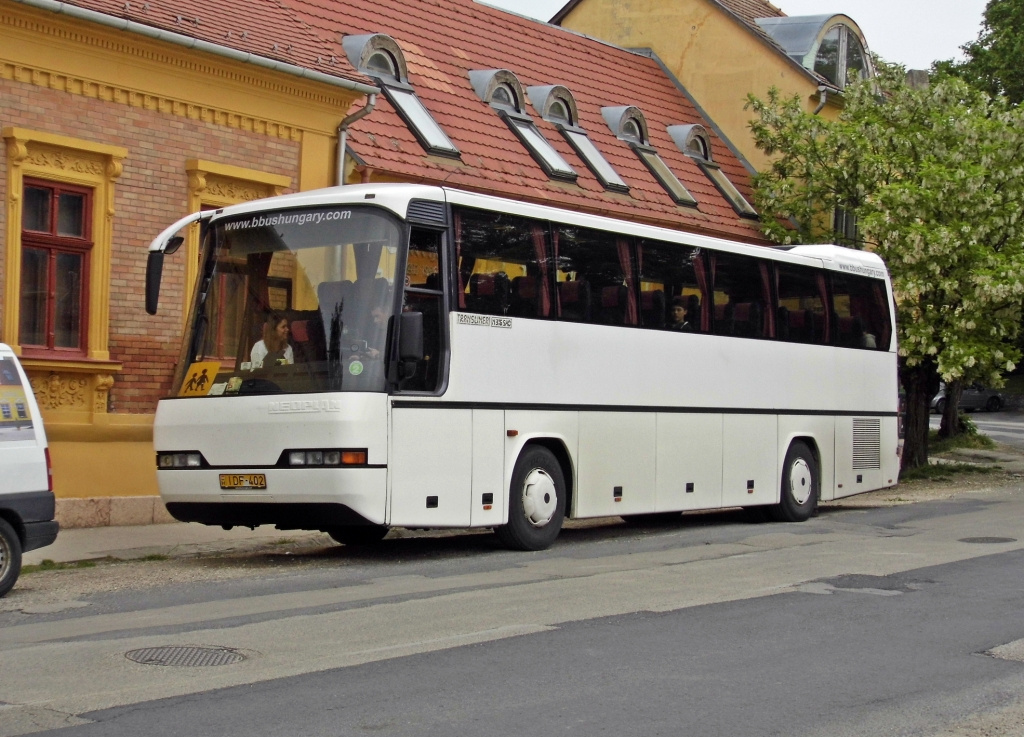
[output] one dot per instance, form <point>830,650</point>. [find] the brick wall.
<point>151,194</point>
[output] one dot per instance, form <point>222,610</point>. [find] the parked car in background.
<point>973,397</point>
<point>26,484</point>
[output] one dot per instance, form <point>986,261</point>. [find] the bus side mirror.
<point>410,337</point>
<point>154,271</point>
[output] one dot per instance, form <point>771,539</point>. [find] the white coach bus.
<point>375,356</point>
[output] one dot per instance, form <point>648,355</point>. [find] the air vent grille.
<point>867,443</point>
<point>425,211</point>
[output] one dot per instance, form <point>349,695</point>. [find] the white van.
<point>26,480</point>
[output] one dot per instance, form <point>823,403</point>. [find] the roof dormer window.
<point>629,125</point>
<point>379,56</point>
<point>841,58</point>
<point>557,105</point>
<point>382,64</point>
<point>694,141</point>
<point>501,89</point>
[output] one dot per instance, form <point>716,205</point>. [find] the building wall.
<point>715,56</point>
<point>159,132</point>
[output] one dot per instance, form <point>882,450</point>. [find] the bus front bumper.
<point>292,498</point>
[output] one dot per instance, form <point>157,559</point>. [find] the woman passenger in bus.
<point>274,349</point>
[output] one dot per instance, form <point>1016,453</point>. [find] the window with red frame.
<point>56,240</point>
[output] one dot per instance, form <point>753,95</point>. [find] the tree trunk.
<point>920,382</point>
<point>951,424</point>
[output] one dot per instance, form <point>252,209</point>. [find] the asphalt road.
<point>1003,427</point>
<point>861,621</point>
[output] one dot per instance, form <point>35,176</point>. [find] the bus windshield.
<point>293,301</point>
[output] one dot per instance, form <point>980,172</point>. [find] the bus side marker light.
<point>617,493</point>
<point>487,500</point>
<point>689,487</point>
<point>750,486</point>
<point>511,433</point>
<point>353,457</point>
<point>431,502</point>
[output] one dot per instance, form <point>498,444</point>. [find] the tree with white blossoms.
<point>934,176</point>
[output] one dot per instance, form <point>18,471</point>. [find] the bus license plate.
<point>237,481</point>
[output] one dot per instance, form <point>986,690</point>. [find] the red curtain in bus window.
<point>540,252</point>
<point>701,274</point>
<point>766,290</point>
<point>622,246</point>
<point>465,264</point>
<point>880,316</point>
<point>258,296</point>
<point>826,338</point>
<point>554,250</point>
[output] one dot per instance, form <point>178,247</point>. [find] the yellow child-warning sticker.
<point>199,379</point>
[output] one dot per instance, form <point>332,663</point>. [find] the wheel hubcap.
<point>539,497</point>
<point>800,481</point>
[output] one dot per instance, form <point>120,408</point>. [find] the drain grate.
<point>987,540</point>
<point>188,656</point>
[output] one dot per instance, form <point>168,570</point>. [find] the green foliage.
<point>48,565</point>
<point>942,472</point>
<point>935,179</point>
<point>970,438</point>
<point>995,61</point>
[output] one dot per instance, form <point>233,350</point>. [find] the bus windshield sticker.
<point>200,379</point>
<point>485,320</point>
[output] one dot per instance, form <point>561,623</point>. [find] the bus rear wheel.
<point>357,534</point>
<point>10,557</point>
<point>536,505</point>
<point>799,493</point>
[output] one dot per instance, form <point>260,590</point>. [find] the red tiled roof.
<point>266,28</point>
<point>749,10</point>
<point>442,42</point>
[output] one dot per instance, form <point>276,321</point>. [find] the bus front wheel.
<point>799,494</point>
<point>10,557</point>
<point>536,504</point>
<point>357,534</point>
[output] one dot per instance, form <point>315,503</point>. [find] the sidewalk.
<point>177,539</point>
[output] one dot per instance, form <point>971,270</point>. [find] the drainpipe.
<point>822,99</point>
<point>343,133</point>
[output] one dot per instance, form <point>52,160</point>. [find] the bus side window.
<point>423,294</point>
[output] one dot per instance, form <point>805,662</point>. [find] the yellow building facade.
<point>134,128</point>
<point>722,50</point>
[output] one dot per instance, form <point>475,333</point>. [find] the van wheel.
<point>536,505</point>
<point>799,494</point>
<point>10,557</point>
<point>357,534</point>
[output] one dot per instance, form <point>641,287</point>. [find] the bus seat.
<point>307,336</point>
<point>613,304</point>
<point>782,324</point>
<point>652,308</point>
<point>524,302</point>
<point>331,292</point>
<point>488,293</point>
<point>574,298</point>
<point>724,318</point>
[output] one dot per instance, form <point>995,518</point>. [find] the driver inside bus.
<point>274,348</point>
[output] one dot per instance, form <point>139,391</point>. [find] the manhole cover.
<point>989,540</point>
<point>187,656</point>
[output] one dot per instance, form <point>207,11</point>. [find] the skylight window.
<point>693,140</point>
<point>380,57</point>
<point>501,89</point>
<point>557,106</point>
<point>629,125</point>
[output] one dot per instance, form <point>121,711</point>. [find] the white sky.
<point>911,32</point>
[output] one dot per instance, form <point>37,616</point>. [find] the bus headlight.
<point>329,457</point>
<point>179,460</point>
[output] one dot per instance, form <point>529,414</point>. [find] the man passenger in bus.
<point>679,315</point>
<point>274,349</point>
